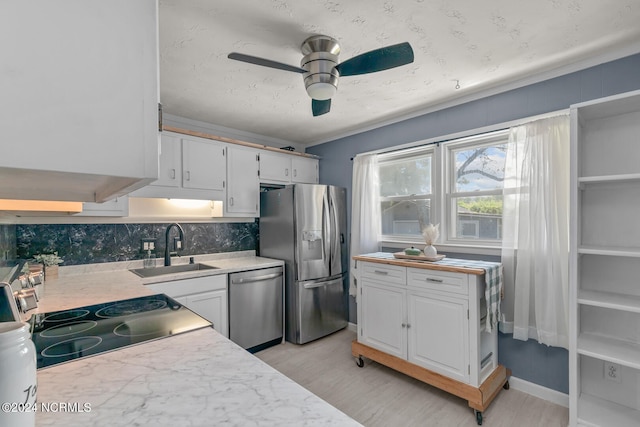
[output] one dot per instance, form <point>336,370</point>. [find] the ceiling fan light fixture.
<point>321,91</point>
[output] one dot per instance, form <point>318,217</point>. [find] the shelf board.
<point>613,350</point>
<point>629,177</point>
<point>599,412</point>
<point>609,251</point>
<point>610,300</point>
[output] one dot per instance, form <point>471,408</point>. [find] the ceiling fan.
<point>320,67</point>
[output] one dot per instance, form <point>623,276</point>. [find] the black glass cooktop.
<point>62,336</point>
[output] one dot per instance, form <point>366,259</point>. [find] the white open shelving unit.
<point>604,363</point>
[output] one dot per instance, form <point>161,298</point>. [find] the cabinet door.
<point>203,165</point>
<point>170,161</point>
<point>305,170</point>
<point>243,192</point>
<point>213,307</point>
<point>116,207</point>
<point>275,167</point>
<point>438,334</point>
<point>383,323</point>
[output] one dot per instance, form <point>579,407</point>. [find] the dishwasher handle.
<point>241,280</point>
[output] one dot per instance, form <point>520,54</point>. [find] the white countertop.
<point>198,378</point>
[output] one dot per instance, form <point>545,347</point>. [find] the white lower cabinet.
<point>403,318</point>
<point>429,324</point>
<point>438,331</point>
<point>205,295</point>
<point>383,311</point>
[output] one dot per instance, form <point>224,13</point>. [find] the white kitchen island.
<point>198,378</point>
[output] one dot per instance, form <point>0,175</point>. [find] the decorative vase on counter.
<point>430,251</point>
<point>431,233</point>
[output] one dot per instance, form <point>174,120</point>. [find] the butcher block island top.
<point>446,264</point>
<point>195,378</point>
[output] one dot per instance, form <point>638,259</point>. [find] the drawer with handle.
<point>383,272</point>
<point>445,281</point>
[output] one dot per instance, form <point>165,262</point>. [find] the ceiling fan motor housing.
<point>320,61</point>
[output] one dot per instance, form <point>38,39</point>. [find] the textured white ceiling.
<point>479,44</point>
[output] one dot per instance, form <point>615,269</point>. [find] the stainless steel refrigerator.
<point>305,225</point>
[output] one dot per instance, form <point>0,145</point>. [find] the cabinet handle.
<point>286,172</point>
<point>434,280</point>
<point>172,175</point>
<point>295,173</point>
<point>188,174</point>
<point>231,201</point>
<point>404,325</point>
<point>381,272</point>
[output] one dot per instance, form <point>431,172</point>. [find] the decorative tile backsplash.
<point>97,243</point>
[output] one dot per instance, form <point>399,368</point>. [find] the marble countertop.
<point>192,379</point>
<point>87,284</point>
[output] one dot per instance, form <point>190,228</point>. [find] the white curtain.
<point>535,252</point>
<point>365,211</point>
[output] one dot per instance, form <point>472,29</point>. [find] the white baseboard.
<point>539,391</point>
<point>353,327</point>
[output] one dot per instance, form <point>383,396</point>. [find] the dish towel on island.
<point>492,290</point>
<point>492,277</point>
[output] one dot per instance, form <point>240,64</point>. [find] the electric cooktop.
<point>63,336</point>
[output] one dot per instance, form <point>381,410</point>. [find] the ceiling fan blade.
<point>320,107</point>
<point>265,62</point>
<point>377,60</point>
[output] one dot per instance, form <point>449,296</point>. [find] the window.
<point>476,176</point>
<point>405,192</point>
<point>457,184</point>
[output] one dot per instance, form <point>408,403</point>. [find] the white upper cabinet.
<point>170,174</point>
<point>276,168</point>
<point>190,168</point>
<point>118,207</point>
<point>203,164</point>
<point>79,103</point>
<point>243,193</point>
<point>305,170</point>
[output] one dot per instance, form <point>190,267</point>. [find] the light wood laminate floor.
<point>377,396</point>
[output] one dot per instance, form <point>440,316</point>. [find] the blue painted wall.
<point>528,360</point>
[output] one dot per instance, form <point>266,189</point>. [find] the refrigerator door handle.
<point>321,283</point>
<point>326,232</point>
<point>336,240</point>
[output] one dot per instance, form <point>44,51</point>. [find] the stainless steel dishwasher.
<point>256,319</point>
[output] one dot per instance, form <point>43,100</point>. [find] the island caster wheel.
<point>359,362</point>
<point>506,386</point>
<point>479,417</point>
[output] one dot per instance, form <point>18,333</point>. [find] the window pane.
<point>406,217</point>
<point>478,217</point>
<point>405,177</point>
<point>479,168</point>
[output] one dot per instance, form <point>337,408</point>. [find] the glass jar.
<point>18,372</point>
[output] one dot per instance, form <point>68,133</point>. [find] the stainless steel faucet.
<point>167,253</point>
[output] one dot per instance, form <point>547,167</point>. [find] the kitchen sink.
<point>171,269</point>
